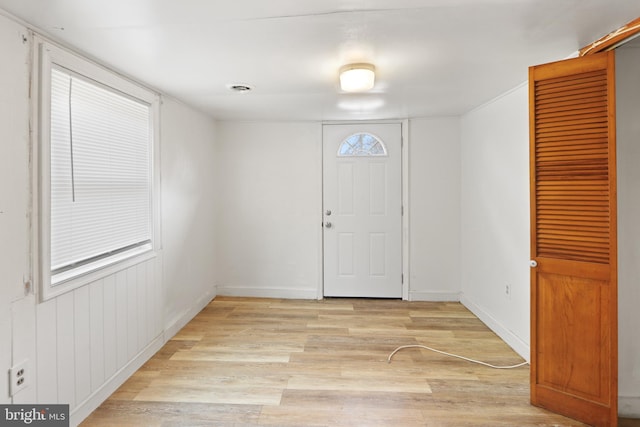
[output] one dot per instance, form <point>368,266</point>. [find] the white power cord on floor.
<point>454,355</point>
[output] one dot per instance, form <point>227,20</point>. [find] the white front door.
<point>362,203</point>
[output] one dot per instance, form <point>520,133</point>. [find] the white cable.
<point>454,355</point>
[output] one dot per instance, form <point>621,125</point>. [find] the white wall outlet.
<point>507,290</point>
<point>19,377</point>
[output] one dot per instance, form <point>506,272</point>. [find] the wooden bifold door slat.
<point>590,87</point>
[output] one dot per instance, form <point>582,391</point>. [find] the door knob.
<point>327,224</point>
<point>328,212</point>
<point>533,263</point>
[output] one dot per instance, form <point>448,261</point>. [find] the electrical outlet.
<point>507,291</point>
<point>19,377</point>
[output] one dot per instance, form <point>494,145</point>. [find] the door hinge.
<point>402,278</point>
<point>402,210</point>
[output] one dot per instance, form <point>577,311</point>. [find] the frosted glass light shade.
<point>357,77</point>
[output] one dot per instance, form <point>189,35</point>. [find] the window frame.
<point>384,153</point>
<point>47,56</point>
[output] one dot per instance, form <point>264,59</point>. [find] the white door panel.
<point>362,213</point>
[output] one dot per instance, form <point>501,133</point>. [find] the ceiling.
<point>433,57</point>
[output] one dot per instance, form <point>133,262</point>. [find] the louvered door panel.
<point>572,167</point>
<point>573,239</point>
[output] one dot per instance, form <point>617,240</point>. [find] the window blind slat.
<point>108,171</point>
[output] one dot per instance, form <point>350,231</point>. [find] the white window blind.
<point>101,172</point>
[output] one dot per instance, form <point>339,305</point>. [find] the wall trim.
<point>84,409</point>
<point>406,223</point>
<point>178,323</point>
<point>286,293</point>
<point>502,331</point>
<point>434,296</point>
<point>629,406</point>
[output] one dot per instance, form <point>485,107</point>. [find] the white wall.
<point>188,208</point>
<point>269,209</point>
<point>91,339</point>
<point>495,219</point>
<point>434,207</point>
<point>14,188</point>
<point>81,345</point>
<point>628,157</point>
<point>495,216</point>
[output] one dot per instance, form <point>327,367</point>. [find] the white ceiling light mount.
<point>358,77</point>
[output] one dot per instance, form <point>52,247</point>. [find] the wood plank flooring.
<point>271,362</point>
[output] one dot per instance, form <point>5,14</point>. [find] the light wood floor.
<point>268,362</point>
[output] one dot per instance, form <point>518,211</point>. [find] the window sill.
<point>82,276</point>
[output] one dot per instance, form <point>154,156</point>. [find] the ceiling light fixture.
<point>357,77</point>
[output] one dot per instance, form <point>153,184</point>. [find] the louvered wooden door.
<point>573,238</point>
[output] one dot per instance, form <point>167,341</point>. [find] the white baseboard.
<point>288,293</point>
<point>85,408</point>
<point>434,296</point>
<point>512,340</point>
<point>629,406</point>
<point>285,293</point>
<point>182,319</point>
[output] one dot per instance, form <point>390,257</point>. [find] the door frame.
<point>404,167</point>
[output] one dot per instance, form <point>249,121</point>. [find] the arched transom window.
<point>362,144</point>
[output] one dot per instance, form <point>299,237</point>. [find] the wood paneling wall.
<point>86,336</point>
